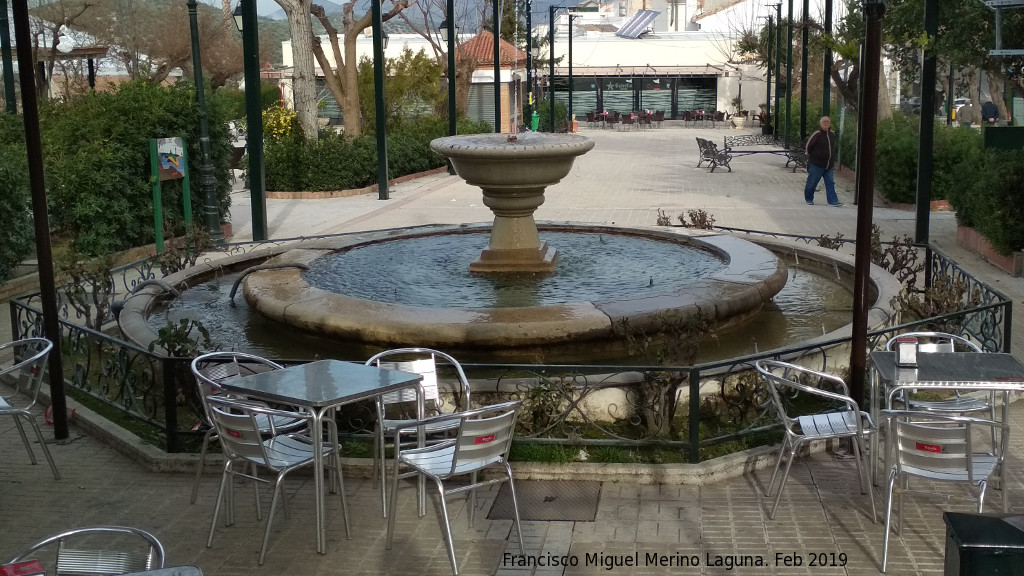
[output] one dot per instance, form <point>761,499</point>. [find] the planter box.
<point>972,240</point>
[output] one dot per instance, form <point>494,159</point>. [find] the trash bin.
<point>984,544</point>
<point>535,121</point>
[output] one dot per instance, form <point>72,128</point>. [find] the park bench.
<point>710,153</point>
<point>748,144</point>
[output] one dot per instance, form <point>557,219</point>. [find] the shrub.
<point>896,158</point>
<point>334,162</point>
<point>16,233</point>
<point>543,109</point>
<point>97,162</point>
<point>957,153</point>
<point>996,200</point>
<point>233,100</point>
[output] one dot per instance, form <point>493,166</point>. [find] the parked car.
<point>957,105</point>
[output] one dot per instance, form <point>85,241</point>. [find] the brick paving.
<point>669,529</point>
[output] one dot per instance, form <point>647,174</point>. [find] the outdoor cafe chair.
<point>25,376</point>
<point>482,440</point>
<point>209,370</point>
<point>422,361</point>
<point>612,118</point>
<point>939,448</point>
<point>98,551</point>
<point>791,386</point>
<point>240,430</point>
<point>627,122</point>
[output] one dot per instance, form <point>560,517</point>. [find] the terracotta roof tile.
<point>481,47</point>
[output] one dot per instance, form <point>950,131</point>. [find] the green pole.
<point>804,38</point>
<point>551,64</point>
<point>254,120</point>
<point>496,33</point>
<point>453,124</point>
<point>207,181</point>
<point>5,49</point>
<point>378,100</point>
<point>926,140</point>
<point>789,70</point>
<point>158,212</point>
<point>778,61</point>
<point>826,86</point>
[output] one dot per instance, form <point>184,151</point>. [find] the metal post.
<point>804,39</point>
<point>497,65</point>
<point>378,100</point>
<point>571,17</point>
<point>92,73</point>
<point>551,65</point>
<point>5,50</point>
<point>949,98</point>
<point>254,120</point>
<point>207,182</point>
<point>826,86</point>
<point>47,282</point>
<point>874,10</point>
<point>778,61</point>
<point>453,111</point>
<point>529,54</point>
<point>768,72</point>
<point>789,71</point>
<point>927,138</point>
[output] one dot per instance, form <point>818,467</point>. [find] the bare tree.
<point>343,82</point>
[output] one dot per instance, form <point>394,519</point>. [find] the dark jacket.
<point>989,112</point>
<point>821,149</point>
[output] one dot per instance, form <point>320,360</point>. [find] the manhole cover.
<point>548,500</point>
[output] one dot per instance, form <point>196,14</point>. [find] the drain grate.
<point>549,500</point>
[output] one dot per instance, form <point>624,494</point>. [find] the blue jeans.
<point>814,175</point>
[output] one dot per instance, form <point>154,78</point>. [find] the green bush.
<point>543,108</point>
<point>991,200</point>
<point>16,234</point>
<point>233,100</point>
<point>956,153</point>
<point>896,158</point>
<point>97,162</point>
<point>334,162</point>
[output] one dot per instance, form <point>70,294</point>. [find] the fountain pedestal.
<point>513,176</point>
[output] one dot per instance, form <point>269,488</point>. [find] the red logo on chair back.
<point>933,448</point>
<point>483,439</point>
<point>234,433</point>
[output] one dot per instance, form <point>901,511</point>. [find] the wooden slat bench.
<point>710,153</point>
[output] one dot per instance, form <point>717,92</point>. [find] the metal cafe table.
<point>943,371</point>
<point>321,386</point>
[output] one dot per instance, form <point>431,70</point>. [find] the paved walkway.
<point>625,180</point>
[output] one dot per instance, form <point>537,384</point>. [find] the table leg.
<point>318,478</point>
<point>873,411</point>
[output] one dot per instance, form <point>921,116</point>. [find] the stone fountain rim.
<point>556,147</point>
<point>136,309</point>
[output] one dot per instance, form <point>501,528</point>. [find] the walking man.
<point>821,161</point>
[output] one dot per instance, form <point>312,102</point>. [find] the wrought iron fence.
<point>696,411</point>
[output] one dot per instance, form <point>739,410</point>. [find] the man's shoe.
<point>837,204</point>
<point>810,203</point>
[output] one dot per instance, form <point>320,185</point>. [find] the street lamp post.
<point>245,20</point>
<point>768,73</point>
<point>789,70</point>
<point>207,182</point>
<point>5,51</point>
<point>452,34</point>
<point>778,59</point>
<point>551,64</point>
<point>804,36</point>
<point>378,99</point>
<point>497,65</point>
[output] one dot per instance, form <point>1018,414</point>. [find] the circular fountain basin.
<point>744,279</point>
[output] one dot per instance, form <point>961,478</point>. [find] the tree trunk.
<point>884,104</point>
<point>349,104</point>
<point>300,27</point>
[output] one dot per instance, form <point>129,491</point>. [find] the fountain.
<point>414,294</point>
<point>513,171</point>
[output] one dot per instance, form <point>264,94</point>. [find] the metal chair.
<point>240,430</point>
<point>25,375</point>
<point>959,403</point>
<point>483,439</point>
<point>785,381</point>
<point>209,370</point>
<point>422,361</point>
<point>939,448</point>
<point>80,554</point>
